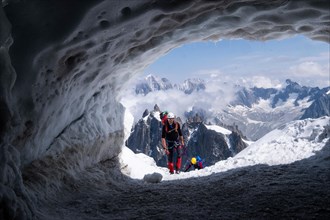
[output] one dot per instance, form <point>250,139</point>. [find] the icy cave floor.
<point>296,191</point>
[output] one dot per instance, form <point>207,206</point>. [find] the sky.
<point>295,141</point>
<point>264,64</point>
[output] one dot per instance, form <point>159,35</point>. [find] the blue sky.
<point>265,64</point>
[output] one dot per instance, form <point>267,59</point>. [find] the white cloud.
<point>221,88</point>
<point>209,73</point>
<point>216,78</point>
<point>309,69</point>
<point>215,97</point>
<point>261,81</point>
<point>321,58</point>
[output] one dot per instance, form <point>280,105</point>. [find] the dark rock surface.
<point>210,145</point>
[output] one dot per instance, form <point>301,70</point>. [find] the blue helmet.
<point>198,158</point>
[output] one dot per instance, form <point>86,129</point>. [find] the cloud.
<point>222,84</point>
<point>208,73</point>
<point>261,81</point>
<point>215,97</point>
<point>309,69</point>
<point>321,58</point>
<point>215,78</point>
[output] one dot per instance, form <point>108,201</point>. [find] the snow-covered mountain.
<point>293,92</point>
<point>152,83</point>
<point>257,111</point>
<point>190,85</point>
<point>254,111</point>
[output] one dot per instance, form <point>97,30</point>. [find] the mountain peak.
<point>293,86</point>
<point>289,82</point>
<point>152,83</point>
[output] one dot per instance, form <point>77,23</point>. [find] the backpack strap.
<point>176,127</point>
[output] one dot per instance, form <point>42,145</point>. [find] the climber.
<point>163,117</point>
<point>196,162</point>
<point>172,139</point>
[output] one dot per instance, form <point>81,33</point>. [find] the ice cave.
<point>63,66</point>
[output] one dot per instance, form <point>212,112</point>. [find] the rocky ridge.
<point>211,145</point>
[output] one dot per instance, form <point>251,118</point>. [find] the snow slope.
<point>295,141</point>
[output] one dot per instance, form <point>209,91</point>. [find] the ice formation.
<point>63,65</point>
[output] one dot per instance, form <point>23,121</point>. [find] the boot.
<point>178,165</point>
<point>171,167</point>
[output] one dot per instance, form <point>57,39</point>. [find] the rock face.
<point>212,146</point>
<point>320,107</point>
<point>63,68</point>
<point>146,137</point>
<point>236,142</point>
<point>208,144</point>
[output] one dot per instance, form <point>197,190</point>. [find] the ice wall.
<point>62,76</point>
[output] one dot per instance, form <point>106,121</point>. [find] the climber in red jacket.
<point>172,139</point>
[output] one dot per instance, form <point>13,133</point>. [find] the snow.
<point>263,104</point>
<point>218,129</point>
<point>156,114</point>
<point>261,118</point>
<point>295,141</point>
<point>251,121</point>
<point>248,142</point>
